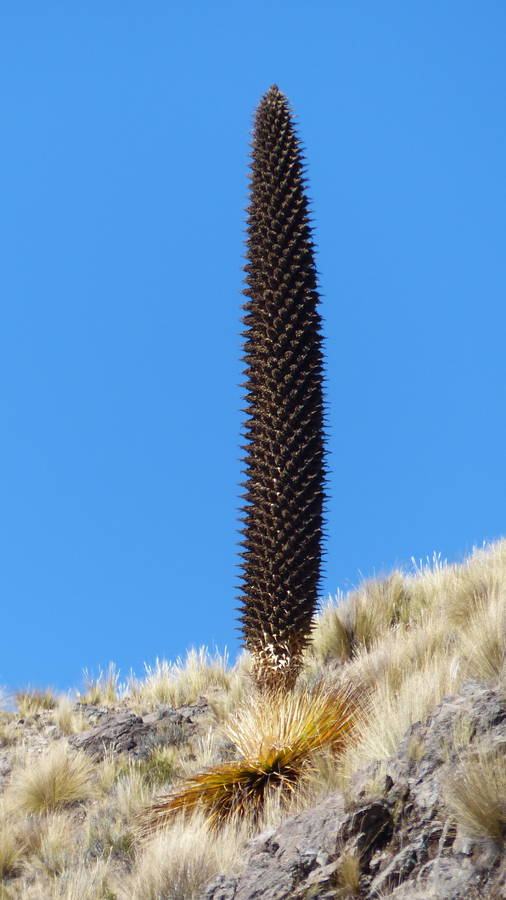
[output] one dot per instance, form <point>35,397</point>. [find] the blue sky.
<point>123,180</point>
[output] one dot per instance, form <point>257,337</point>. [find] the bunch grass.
<point>102,689</point>
<point>181,682</point>
<point>56,780</point>
<point>32,701</point>
<point>178,862</point>
<point>476,796</point>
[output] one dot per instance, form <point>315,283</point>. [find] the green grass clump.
<point>159,769</point>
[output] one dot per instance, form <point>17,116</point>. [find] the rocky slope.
<point>414,808</point>
<point>394,823</point>
<point>396,833</point>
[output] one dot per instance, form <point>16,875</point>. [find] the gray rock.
<point>300,859</point>
<point>125,732</point>
<point>221,888</point>
<point>173,726</point>
<point>116,733</point>
<point>5,768</point>
<point>92,713</point>
<point>280,861</point>
<point>181,715</point>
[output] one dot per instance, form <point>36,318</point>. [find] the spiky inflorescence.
<point>284,461</point>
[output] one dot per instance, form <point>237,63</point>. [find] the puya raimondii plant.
<point>284,453</point>
<point>279,733</point>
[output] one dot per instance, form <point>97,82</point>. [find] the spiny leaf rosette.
<point>284,453</point>
<point>279,738</point>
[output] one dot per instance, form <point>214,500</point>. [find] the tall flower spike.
<point>284,452</point>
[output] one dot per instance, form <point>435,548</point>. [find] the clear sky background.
<point>123,160</point>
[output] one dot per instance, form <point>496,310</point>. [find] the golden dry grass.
<point>181,682</point>
<point>103,689</point>
<point>484,637</point>
<point>348,876</point>
<point>425,644</point>
<point>32,701</point>
<point>83,882</point>
<point>59,778</point>
<point>394,710</point>
<point>7,730</point>
<point>68,720</point>
<point>476,795</point>
<point>179,861</point>
<point>11,849</point>
<point>52,843</point>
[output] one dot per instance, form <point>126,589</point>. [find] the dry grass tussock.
<point>103,689</point>
<point>12,847</point>
<point>422,647</point>
<point>476,795</point>
<point>68,720</point>
<point>182,682</point>
<point>59,778</point>
<point>179,861</point>
<point>32,701</point>
<point>348,876</point>
<point>68,826</point>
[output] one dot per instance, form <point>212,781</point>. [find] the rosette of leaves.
<point>279,739</point>
<point>284,429</point>
<point>280,734</point>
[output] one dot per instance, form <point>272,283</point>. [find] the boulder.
<point>125,732</point>
<point>116,733</point>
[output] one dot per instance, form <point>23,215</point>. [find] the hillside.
<point>413,805</point>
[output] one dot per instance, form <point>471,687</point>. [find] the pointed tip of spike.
<point>274,93</point>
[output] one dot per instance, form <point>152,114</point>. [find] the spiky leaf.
<point>279,738</point>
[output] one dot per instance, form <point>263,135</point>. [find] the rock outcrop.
<point>125,732</point>
<point>397,826</point>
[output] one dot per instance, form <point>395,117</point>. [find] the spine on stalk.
<point>284,460</point>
